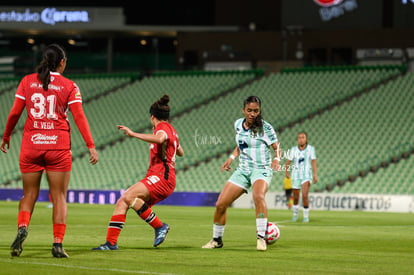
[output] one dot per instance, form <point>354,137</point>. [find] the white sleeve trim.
<point>21,97</point>
<point>162,131</point>
<point>74,101</point>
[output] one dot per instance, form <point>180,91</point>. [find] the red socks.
<point>117,223</point>
<point>23,219</point>
<point>114,228</point>
<point>58,232</point>
<point>148,216</point>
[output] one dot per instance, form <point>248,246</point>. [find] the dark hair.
<point>52,56</point>
<point>160,108</point>
<point>257,126</point>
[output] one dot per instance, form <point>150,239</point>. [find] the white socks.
<point>218,230</point>
<point>295,208</point>
<point>306,212</point>
<point>296,211</point>
<point>261,226</point>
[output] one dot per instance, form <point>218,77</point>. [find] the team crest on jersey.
<point>243,145</point>
<point>77,93</point>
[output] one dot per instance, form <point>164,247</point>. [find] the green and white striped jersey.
<point>301,164</point>
<point>254,150</point>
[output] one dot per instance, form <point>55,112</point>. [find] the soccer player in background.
<point>303,159</point>
<point>287,182</point>
<point>47,96</point>
<point>255,138</point>
<point>158,183</point>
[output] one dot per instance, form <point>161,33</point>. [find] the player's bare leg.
<point>31,187</point>
<point>136,197</point>
<point>58,187</point>
<point>305,199</point>
<point>295,208</point>
<point>228,195</point>
<point>259,190</point>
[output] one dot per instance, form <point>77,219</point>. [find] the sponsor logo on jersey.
<point>152,180</point>
<point>331,9</point>
<point>44,139</point>
<point>327,3</point>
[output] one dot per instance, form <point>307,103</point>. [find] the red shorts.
<point>51,160</point>
<point>158,187</point>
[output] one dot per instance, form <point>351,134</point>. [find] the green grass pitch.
<point>333,242</point>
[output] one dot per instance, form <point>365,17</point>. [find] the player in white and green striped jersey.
<point>301,160</point>
<point>255,150</point>
<point>256,139</point>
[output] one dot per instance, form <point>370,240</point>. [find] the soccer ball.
<point>272,233</point>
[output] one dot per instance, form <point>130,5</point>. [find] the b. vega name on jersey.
<point>44,139</point>
<point>43,125</point>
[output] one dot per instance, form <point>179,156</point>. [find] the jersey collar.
<point>244,120</point>
<point>303,148</point>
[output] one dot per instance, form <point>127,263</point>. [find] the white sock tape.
<point>133,203</point>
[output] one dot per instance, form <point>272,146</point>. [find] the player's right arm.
<point>226,165</point>
<point>180,151</point>
<point>12,120</point>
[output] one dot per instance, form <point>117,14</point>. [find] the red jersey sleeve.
<point>13,118</point>
<point>16,110</point>
<point>82,123</point>
<point>75,95</point>
<point>21,91</point>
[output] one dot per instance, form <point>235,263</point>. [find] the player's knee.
<point>126,199</point>
<point>31,195</point>
<point>221,207</point>
<point>258,197</point>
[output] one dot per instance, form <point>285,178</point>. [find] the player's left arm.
<point>158,138</point>
<point>315,169</point>
<point>275,163</point>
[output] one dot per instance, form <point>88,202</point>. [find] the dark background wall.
<point>267,31</point>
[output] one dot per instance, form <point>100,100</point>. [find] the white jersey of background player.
<point>301,160</point>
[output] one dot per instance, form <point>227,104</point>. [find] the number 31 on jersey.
<point>43,106</point>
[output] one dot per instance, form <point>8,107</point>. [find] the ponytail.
<point>52,56</point>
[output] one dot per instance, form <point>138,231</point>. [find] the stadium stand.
<point>191,90</point>
<point>362,134</point>
<point>356,117</point>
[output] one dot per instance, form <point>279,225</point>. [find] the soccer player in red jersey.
<point>158,183</point>
<point>47,97</point>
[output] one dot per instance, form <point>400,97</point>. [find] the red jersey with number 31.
<point>47,127</point>
<point>162,156</point>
